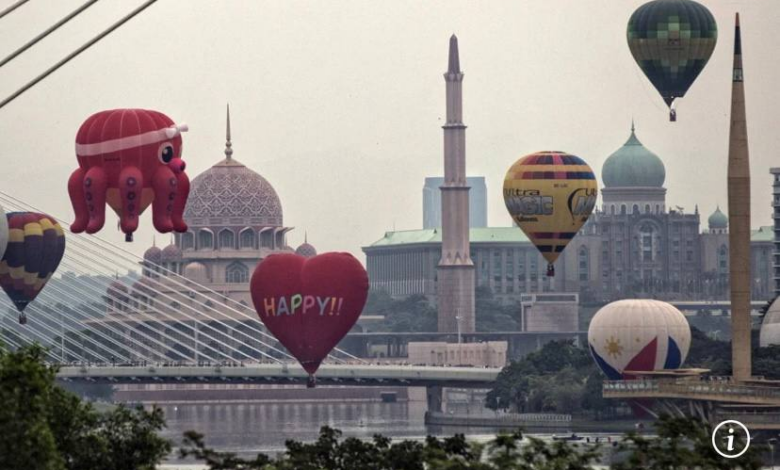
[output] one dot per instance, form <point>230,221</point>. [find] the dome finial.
<point>228,144</point>
<point>632,125</point>
<point>154,240</point>
<point>305,236</point>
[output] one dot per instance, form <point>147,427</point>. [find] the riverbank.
<point>533,423</point>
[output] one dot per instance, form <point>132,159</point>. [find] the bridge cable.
<point>48,31</point>
<point>12,8</point>
<point>75,53</point>
<point>81,241</point>
<point>174,321</point>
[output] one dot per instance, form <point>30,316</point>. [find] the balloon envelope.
<point>129,159</point>
<point>35,248</point>
<point>550,195</point>
<point>309,304</point>
<point>3,232</point>
<point>671,41</point>
<point>638,335</point>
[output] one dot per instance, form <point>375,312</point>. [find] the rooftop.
<point>476,235</point>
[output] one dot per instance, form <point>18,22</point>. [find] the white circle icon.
<point>730,439</point>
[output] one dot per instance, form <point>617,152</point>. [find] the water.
<point>248,428</point>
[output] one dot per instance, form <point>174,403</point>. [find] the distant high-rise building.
<point>776,216</point>
<point>477,202</point>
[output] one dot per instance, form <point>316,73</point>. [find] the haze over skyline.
<point>340,107</point>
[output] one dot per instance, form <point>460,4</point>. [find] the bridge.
<point>273,373</point>
<point>755,403</point>
<point>130,330</point>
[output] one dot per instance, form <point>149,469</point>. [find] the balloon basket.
<point>550,270</point>
<point>128,237</point>
<point>672,116</point>
<point>311,382</point>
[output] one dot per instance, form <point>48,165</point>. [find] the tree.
<point>45,427</point>
<point>560,378</point>
<point>681,443</point>
<point>491,315</point>
<point>26,389</point>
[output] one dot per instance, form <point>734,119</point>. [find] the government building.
<point>633,246</point>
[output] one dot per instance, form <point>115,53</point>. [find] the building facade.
<point>477,201</point>
<point>634,245</point>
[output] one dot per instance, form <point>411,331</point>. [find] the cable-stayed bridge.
<point>91,315</point>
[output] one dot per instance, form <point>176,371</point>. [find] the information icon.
<point>733,441</point>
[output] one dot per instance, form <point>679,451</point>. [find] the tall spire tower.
<point>455,286</point>
<point>739,220</point>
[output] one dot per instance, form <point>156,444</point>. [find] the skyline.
<point>382,131</point>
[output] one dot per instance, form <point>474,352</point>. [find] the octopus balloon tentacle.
<point>180,201</point>
<point>95,187</point>
<point>131,181</point>
<point>129,159</point>
<point>78,200</point>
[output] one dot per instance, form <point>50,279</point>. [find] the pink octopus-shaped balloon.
<point>129,159</point>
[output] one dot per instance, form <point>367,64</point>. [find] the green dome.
<point>632,165</point>
<point>718,219</point>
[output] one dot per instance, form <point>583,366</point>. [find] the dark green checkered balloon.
<point>672,40</point>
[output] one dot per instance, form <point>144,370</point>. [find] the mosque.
<point>235,220</point>
<point>633,246</point>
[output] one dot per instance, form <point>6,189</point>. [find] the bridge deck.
<point>334,374</point>
<point>712,391</point>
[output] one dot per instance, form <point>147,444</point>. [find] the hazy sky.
<point>339,104</point>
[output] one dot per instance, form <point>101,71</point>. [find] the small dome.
<point>306,250</point>
<point>196,272</point>
<point>770,328</point>
<point>718,220</point>
<point>117,290</point>
<point>632,165</point>
<point>153,255</point>
<point>171,254</point>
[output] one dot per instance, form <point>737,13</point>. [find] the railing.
<point>690,388</point>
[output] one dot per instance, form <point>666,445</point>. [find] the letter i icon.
<point>730,440</point>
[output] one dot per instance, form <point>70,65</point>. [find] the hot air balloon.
<point>550,195</point>
<point>638,335</point>
<point>129,159</point>
<point>3,232</point>
<point>309,304</point>
<point>35,248</point>
<point>672,40</point>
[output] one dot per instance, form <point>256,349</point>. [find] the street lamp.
<point>772,442</point>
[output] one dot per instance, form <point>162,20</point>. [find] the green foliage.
<point>560,378</point>
<point>328,452</point>
<point>414,313</point>
<point>491,315</point>
<point>682,443</point>
<point>45,427</point>
<point>26,389</point>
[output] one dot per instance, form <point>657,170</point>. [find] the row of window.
<point>226,239</point>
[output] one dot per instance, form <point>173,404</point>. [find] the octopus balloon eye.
<point>166,153</point>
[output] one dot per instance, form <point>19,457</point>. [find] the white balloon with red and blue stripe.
<point>638,335</point>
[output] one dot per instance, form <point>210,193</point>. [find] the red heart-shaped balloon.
<point>309,304</point>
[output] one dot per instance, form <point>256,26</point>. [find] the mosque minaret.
<point>455,286</point>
